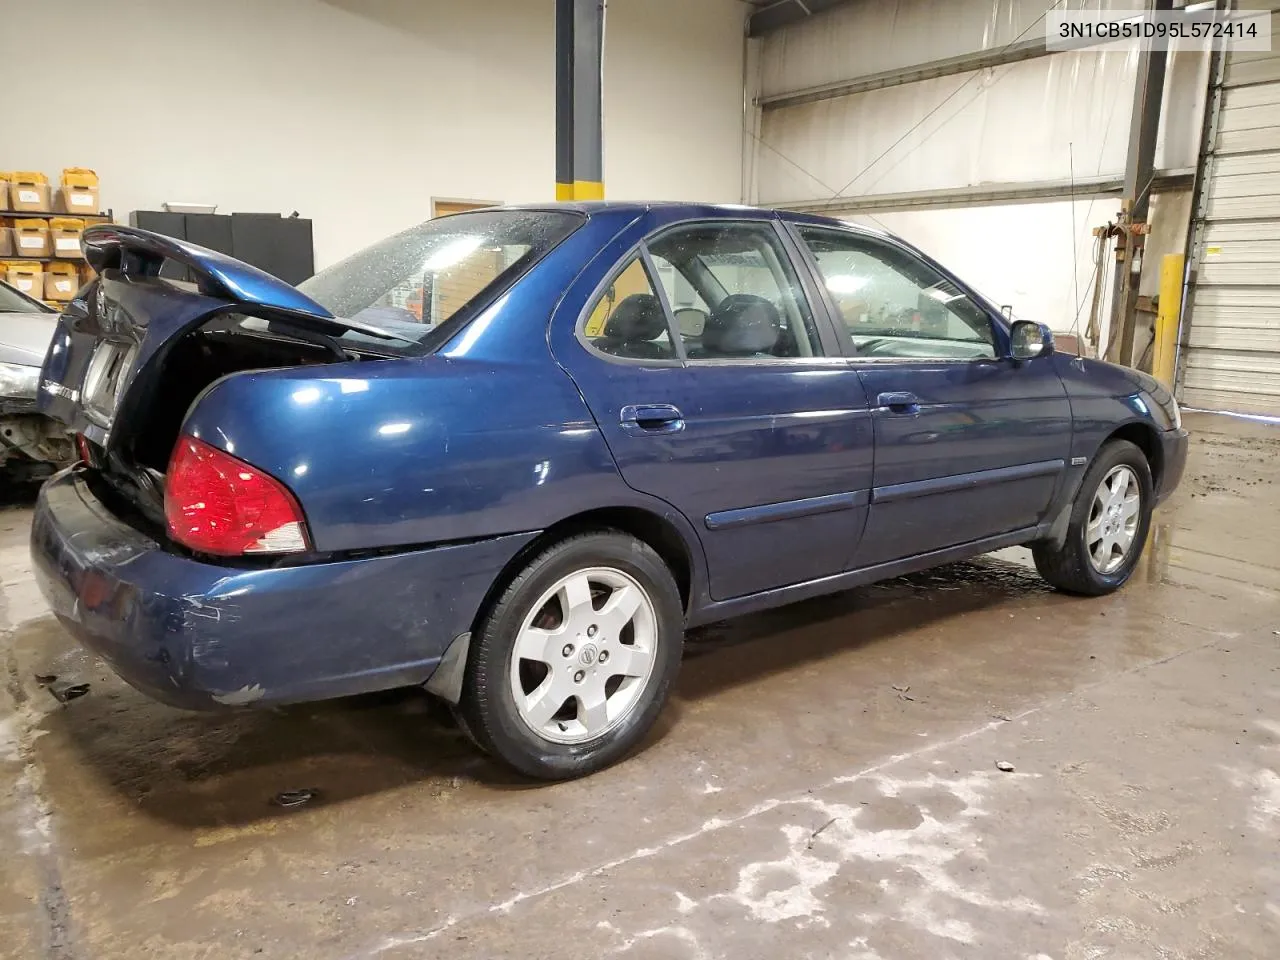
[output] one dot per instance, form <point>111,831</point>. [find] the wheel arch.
<point>660,533</point>
<point>1144,436</point>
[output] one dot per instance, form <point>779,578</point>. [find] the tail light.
<point>216,503</point>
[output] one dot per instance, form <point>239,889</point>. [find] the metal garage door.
<point>1231,351</point>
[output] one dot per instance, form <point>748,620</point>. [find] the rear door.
<point>742,414</point>
<point>969,443</point>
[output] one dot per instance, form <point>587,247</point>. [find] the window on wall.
<point>734,294</point>
<point>628,320</point>
<point>895,305</point>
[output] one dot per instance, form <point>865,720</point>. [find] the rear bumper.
<point>1173,461</point>
<point>204,636</point>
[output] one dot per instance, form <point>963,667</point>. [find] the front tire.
<point>573,662</point>
<point>1108,527</point>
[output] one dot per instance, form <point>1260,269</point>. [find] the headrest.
<point>742,324</point>
<point>635,318</point>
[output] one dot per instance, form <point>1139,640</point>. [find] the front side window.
<point>895,305</point>
<point>412,283</point>
<point>734,293</point>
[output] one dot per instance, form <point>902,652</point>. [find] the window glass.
<point>895,305</point>
<point>734,293</point>
<point>415,281</point>
<point>628,320</point>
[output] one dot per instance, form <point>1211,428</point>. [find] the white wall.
<point>356,112</point>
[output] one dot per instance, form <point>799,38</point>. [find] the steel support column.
<point>579,106</point>
<point>1144,125</point>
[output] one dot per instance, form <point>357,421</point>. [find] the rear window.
<point>427,280</point>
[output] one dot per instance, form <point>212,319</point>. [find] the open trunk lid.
<point>126,361</point>
<point>112,338</point>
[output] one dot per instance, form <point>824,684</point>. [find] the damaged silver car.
<point>29,441</point>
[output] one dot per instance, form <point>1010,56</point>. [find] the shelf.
<point>46,259</point>
<point>37,215</point>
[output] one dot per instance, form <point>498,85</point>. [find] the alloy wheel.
<point>1113,519</point>
<point>583,655</point>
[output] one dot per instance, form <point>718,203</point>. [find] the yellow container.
<point>64,236</point>
<point>26,276</point>
<point>29,190</point>
<point>79,192</point>
<point>61,280</point>
<point>79,177</point>
<point>31,238</point>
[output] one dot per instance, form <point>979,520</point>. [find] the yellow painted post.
<point>1166,338</point>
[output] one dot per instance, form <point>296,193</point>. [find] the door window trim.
<point>1000,333</point>
<point>791,251</point>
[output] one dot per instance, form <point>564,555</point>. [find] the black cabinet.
<point>282,246</point>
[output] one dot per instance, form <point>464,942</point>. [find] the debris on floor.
<point>294,798</point>
<point>1004,766</point>
<point>65,692</point>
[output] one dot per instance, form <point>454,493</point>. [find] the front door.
<point>718,391</point>
<point>969,443</point>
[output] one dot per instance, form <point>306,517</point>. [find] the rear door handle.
<point>899,402</point>
<point>649,418</point>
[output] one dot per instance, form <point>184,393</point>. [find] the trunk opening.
<point>135,465</point>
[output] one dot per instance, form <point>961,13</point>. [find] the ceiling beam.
<point>774,16</point>
<point>986,194</point>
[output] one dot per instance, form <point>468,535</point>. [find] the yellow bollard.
<point>1165,347</point>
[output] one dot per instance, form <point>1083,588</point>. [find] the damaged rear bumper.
<point>203,636</point>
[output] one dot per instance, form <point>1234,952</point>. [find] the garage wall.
<point>1231,330</point>
<point>357,112</point>
<point>1034,122</point>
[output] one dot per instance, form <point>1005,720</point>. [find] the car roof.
<point>680,209</point>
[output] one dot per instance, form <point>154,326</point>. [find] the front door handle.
<point>649,418</point>
<point>899,402</point>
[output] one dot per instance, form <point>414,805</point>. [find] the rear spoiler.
<point>141,253</point>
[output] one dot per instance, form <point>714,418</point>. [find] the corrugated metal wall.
<point>1034,122</point>
<point>1231,349</point>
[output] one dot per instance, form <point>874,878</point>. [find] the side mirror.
<point>1028,340</point>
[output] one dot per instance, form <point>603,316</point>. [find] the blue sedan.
<point>510,455</point>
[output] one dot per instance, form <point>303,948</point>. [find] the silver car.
<point>28,440</point>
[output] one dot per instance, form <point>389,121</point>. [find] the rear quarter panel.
<point>414,451</point>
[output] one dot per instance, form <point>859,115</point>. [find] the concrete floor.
<point>824,783</point>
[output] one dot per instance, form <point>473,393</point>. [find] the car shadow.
<point>196,770</point>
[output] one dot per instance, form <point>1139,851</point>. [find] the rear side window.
<point>628,320</point>
<point>746,302</point>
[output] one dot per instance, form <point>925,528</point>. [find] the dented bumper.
<point>204,636</point>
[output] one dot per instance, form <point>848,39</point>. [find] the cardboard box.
<point>31,238</point>
<point>6,241</point>
<point>27,277</point>
<point>79,191</point>
<point>78,200</point>
<point>29,191</point>
<point>61,281</point>
<point>64,237</point>
<point>4,191</point>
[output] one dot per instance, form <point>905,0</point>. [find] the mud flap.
<point>446,682</point>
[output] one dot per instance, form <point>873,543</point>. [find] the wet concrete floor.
<point>824,783</point>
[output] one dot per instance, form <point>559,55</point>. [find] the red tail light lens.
<point>216,503</point>
<point>82,449</point>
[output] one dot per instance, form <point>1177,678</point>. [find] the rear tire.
<point>1108,526</point>
<point>572,663</point>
